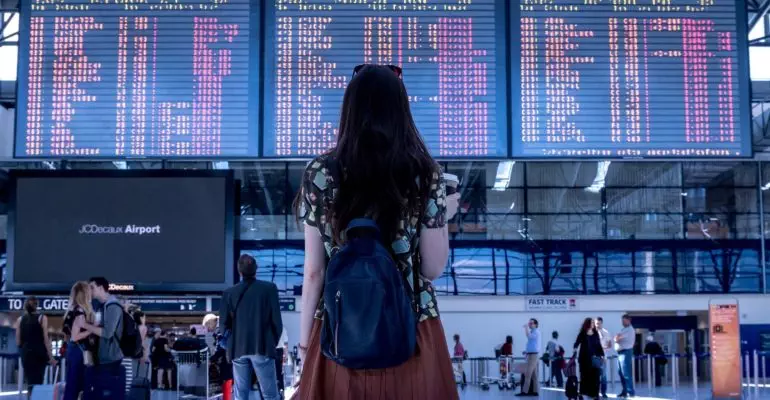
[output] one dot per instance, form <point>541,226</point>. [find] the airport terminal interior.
<point>610,158</point>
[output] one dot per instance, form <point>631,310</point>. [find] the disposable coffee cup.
<point>452,182</point>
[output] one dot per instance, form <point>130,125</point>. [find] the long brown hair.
<point>588,324</point>
<point>381,164</point>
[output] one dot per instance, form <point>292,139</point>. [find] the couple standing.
<point>623,343</point>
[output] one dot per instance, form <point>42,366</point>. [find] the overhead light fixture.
<point>120,164</point>
<point>599,180</point>
<point>503,175</point>
<point>220,165</point>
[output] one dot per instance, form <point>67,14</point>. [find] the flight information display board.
<point>452,52</point>
<point>630,78</point>
<point>138,78</point>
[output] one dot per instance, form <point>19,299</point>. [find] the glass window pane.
<point>498,175</point>
<point>758,31</point>
<point>12,27</point>
<point>563,201</point>
<point>759,59</point>
<point>565,226</point>
<point>8,59</point>
<point>636,174</point>
<point>721,200</point>
<point>644,200</point>
<point>561,174</point>
<point>472,271</point>
<point>644,226</point>
<point>264,200</point>
<point>719,174</point>
<point>294,230</point>
<point>282,266</point>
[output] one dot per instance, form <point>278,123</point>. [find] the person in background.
<point>590,357</point>
<point>141,366</point>
<point>507,349</point>
<point>210,322</point>
<point>189,342</point>
<point>458,355</point>
<point>653,349</point>
<point>385,171</point>
<point>34,344</point>
<point>624,342</point>
<point>81,346</point>
<point>106,379</point>
<point>531,381</point>
<point>251,312</point>
<point>556,359</point>
<point>459,350</point>
<point>161,353</point>
<point>609,351</point>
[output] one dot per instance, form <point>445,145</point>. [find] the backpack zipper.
<point>337,299</point>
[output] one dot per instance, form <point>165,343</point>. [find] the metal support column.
<point>763,251</point>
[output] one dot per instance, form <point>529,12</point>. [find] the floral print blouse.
<point>318,190</point>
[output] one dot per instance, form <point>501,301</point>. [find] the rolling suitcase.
<point>571,389</point>
<point>140,389</point>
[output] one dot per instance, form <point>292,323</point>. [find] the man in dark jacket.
<point>250,311</point>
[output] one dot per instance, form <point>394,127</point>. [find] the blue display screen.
<point>630,78</point>
<point>149,78</point>
<point>486,79</point>
<point>452,53</point>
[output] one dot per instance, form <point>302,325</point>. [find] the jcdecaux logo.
<point>130,229</point>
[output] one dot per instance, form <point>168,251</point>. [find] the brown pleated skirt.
<point>427,376</point>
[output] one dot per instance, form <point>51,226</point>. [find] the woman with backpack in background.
<point>590,358</point>
<point>34,345</point>
<point>82,344</point>
<point>379,195</point>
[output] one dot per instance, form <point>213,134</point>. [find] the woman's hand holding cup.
<point>452,195</point>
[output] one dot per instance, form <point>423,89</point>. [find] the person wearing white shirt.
<point>624,342</point>
<point>533,348</point>
<point>607,344</point>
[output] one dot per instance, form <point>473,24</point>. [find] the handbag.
<point>597,362</point>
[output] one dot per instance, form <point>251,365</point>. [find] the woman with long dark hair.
<point>381,169</point>
<point>590,358</point>
<point>32,339</point>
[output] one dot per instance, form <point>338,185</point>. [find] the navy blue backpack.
<point>369,320</point>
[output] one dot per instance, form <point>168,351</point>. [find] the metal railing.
<point>192,374</point>
<point>681,375</point>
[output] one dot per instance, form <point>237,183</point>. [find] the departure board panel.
<point>452,52</point>
<point>138,78</point>
<point>630,78</point>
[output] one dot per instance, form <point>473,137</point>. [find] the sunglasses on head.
<point>395,68</point>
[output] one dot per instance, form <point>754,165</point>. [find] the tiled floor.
<point>473,393</point>
<point>684,392</point>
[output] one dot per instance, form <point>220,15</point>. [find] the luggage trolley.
<point>506,379</point>
<point>459,371</point>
